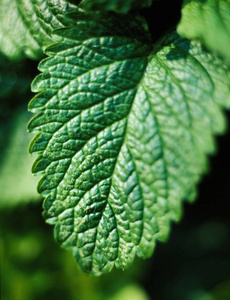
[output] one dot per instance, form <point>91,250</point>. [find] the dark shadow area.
<point>162,17</point>
<point>15,80</point>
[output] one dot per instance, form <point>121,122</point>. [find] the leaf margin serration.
<point>53,220</point>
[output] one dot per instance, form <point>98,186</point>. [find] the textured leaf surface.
<point>26,26</point>
<point>120,6</point>
<point>123,136</point>
<point>209,22</point>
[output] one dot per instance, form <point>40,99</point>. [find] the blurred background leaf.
<point>16,182</point>
<point>35,267</point>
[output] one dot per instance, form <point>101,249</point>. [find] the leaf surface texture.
<point>123,134</point>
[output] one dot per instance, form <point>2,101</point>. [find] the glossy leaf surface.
<point>123,135</point>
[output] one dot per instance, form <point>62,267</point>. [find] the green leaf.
<point>209,22</point>
<point>119,6</point>
<point>26,26</point>
<point>123,134</point>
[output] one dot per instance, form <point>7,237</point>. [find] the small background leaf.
<point>33,22</point>
<point>209,22</point>
<point>16,183</point>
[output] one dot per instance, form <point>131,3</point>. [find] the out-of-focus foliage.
<point>35,268</point>
<point>119,6</point>
<point>26,26</point>
<point>209,22</point>
<point>16,183</point>
<point>15,79</point>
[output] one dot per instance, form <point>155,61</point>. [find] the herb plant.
<point>125,115</point>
